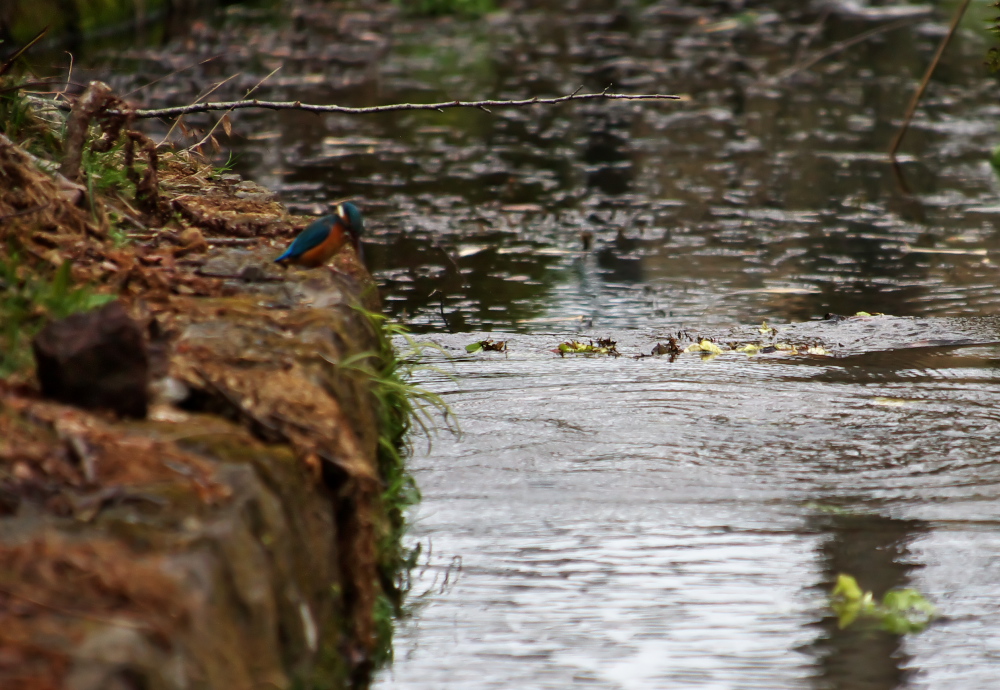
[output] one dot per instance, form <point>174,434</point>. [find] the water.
<point>642,523</point>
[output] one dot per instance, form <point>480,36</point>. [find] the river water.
<point>655,523</point>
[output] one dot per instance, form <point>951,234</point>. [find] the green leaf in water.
<point>902,611</point>
<point>848,588</point>
<point>473,347</point>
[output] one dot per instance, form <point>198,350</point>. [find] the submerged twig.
<point>912,108</point>
<point>347,110</point>
<point>838,47</point>
<point>176,71</point>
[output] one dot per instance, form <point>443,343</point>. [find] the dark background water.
<point>764,194</point>
<point>646,523</point>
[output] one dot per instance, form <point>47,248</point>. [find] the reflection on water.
<point>766,195</point>
<point>640,523</point>
<point>874,549</point>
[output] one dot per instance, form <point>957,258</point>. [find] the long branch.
<point>915,100</point>
<point>298,105</point>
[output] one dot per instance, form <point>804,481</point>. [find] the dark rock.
<point>96,359</point>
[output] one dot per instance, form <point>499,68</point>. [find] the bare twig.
<point>28,85</point>
<point>204,95</point>
<point>69,77</point>
<point>812,33</point>
<point>222,241</point>
<point>912,108</point>
<point>298,105</point>
<point>208,136</point>
<point>25,212</point>
<point>5,67</point>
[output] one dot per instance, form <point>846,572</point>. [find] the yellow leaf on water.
<point>710,347</point>
<point>892,402</point>
<point>848,588</point>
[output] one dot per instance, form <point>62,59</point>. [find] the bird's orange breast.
<point>321,253</point>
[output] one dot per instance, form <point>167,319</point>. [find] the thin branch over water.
<point>298,105</point>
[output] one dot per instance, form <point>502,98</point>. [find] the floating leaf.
<point>709,347</point>
<point>817,350</point>
<point>488,345</point>
<point>891,402</point>
<point>604,346</point>
<point>848,588</point>
<point>902,611</point>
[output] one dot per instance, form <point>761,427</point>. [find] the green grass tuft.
<point>403,408</point>
<point>20,124</point>
<point>105,172</point>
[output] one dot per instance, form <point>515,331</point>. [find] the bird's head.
<point>350,216</point>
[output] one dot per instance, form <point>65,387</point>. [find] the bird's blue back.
<point>312,236</point>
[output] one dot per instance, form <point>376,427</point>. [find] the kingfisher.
<point>325,236</point>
